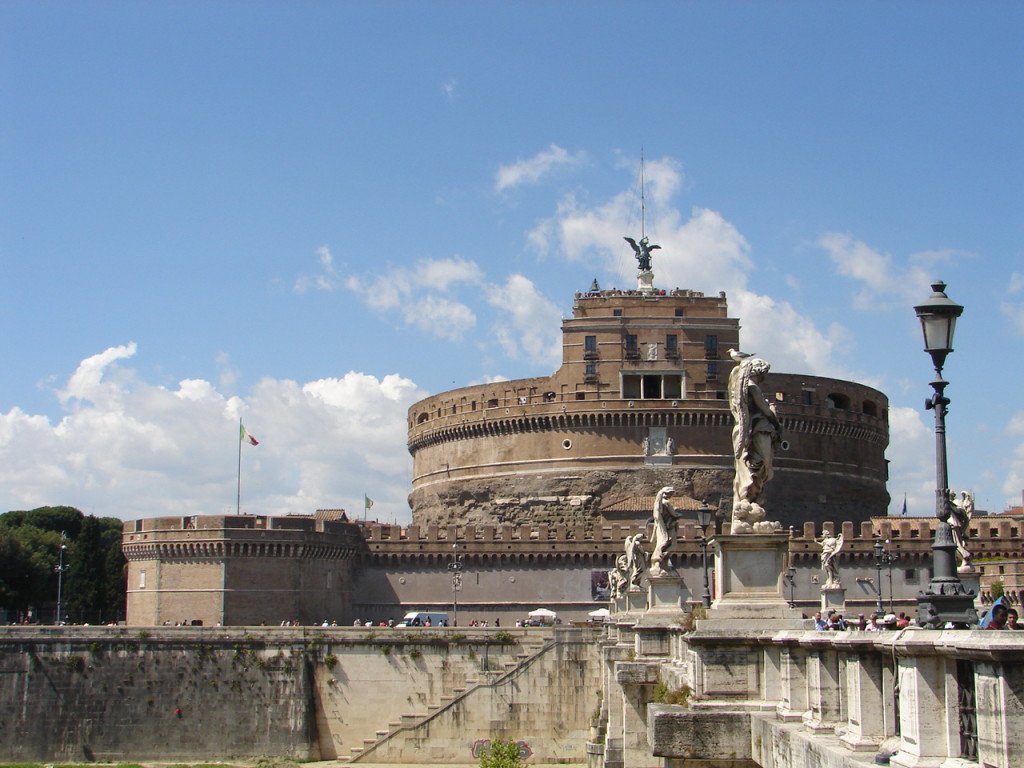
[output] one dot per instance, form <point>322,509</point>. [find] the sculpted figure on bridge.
<point>666,531</point>
<point>960,512</point>
<point>636,559</point>
<point>755,436</point>
<point>830,546</point>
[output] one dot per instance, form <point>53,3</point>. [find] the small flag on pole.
<point>367,501</point>
<point>245,437</point>
<point>904,512</point>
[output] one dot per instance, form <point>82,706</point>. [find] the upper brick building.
<point>639,402</point>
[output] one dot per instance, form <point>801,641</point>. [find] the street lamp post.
<point>455,566</point>
<point>705,515</point>
<point>883,558</point>
<point>60,568</point>
<point>945,600</point>
<point>791,581</point>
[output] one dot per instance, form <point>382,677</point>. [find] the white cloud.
<point>448,88</point>
<point>128,448</point>
<point>440,316</point>
<point>533,169</point>
<point>883,284</point>
<point>530,324</point>
<point>1014,311</point>
<point>325,280</point>
<point>911,455</point>
<point>417,292</point>
<point>703,252</point>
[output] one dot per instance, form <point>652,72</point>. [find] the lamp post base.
<point>935,610</point>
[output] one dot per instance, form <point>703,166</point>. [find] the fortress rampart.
<point>378,572</point>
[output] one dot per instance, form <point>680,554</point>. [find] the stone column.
<point>823,694</point>
<point>793,703</point>
<point>923,731</point>
<point>866,709</point>
<point>1000,688</point>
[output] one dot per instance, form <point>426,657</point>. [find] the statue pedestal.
<point>645,281</point>
<point>636,601</point>
<point>749,572</point>
<point>666,593</point>
<point>833,597</point>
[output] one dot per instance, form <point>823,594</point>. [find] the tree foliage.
<point>500,754</point>
<point>94,580</point>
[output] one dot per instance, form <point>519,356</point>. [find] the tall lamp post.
<point>455,566</point>
<point>705,514</point>
<point>60,568</point>
<point>945,600</point>
<point>882,557</point>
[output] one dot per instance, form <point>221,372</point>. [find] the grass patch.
<point>662,694</point>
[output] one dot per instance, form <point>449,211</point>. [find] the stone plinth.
<point>833,597</point>
<point>636,601</point>
<point>749,572</point>
<point>645,281</point>
<point>666,594</point>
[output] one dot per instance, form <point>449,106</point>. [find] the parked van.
<point>419,619</point>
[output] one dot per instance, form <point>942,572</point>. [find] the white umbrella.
<point>542,613</point>
<point>600,613</point>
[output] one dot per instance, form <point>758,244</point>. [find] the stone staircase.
<point>530,649</point>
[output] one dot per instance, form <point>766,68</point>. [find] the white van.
<point>419,619</point>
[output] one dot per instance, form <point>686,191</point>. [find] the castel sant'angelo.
<point>534,484</point>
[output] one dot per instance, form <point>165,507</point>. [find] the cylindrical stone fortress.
<point>639,402</point>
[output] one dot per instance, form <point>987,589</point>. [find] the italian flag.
<point>245,437</point>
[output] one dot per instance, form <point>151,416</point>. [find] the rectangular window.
<point>652,387</point>
<point>711,346</point>
<point>142,579</point>
<point>671,345</point>
<point>632,349</point>
<point>712,371</point>
<point>673,386</point>
<point>590,343</point>
<point>807,397</point>
<point>680,312</point>
<point>630,387</point>
<point>581,395</point>
<point>616,313</point>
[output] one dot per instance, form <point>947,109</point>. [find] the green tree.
<point>15,573</point>
<point>86,575</point>
<point>55,519</point>
<point>500,754</point>
<point>998,590</point>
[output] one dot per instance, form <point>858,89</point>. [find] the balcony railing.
<point>590,354</point>
<point>632,353</point>
<point>672,353</point>
<point>590,378</point>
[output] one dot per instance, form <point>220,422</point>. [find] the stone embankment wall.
<point>111,693</point>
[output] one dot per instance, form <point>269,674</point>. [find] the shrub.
<point>998,590</point>
<point>503,637</point>
<point>500,754</point>
<point>331,660</point>
<point>662,694</point>
<point>386,650</point>
<point>415,653</point>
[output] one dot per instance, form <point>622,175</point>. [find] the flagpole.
<point>238,496</point>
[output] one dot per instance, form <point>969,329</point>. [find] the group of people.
<point>833,621</point>
<point>1000,616</point>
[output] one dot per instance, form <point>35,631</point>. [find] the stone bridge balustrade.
<point>805,698</point>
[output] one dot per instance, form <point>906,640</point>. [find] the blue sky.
<point>310,215</point>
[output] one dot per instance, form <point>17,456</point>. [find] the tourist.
<point>1011,619</point>
<point>862,623</point>
<point>819,623</point>
<point>1001,603</point>
<point>837,623</point>
<point>997,617</point>
<point>902,622</point>
<point>874,626</point>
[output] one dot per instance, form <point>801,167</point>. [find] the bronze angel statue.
<point>643,252</point>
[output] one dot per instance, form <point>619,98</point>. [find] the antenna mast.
<point>643,204</point>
